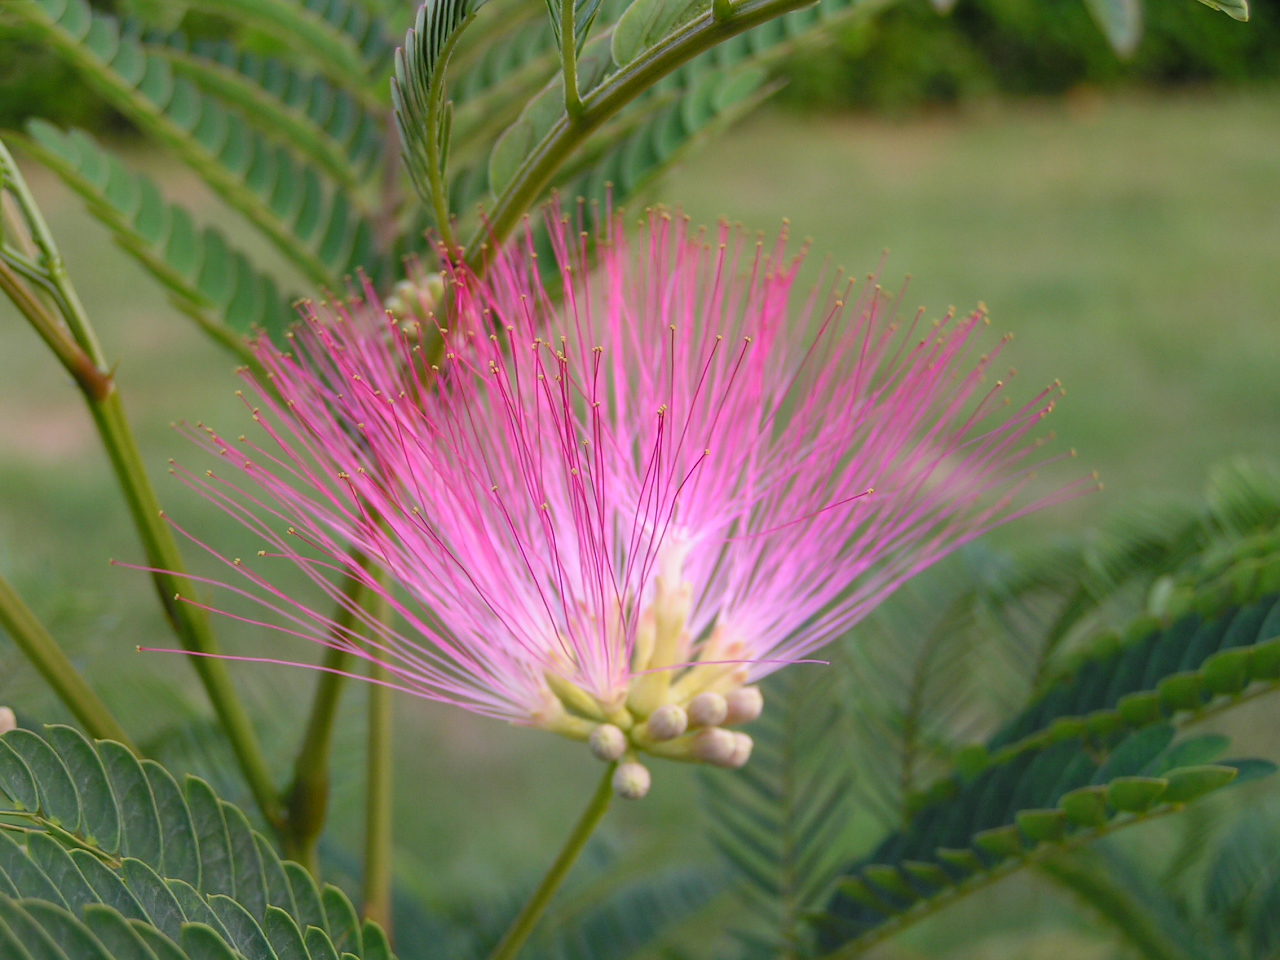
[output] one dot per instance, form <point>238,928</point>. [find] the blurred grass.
<point>1132,245</point>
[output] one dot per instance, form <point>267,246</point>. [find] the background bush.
<point>910,57</point>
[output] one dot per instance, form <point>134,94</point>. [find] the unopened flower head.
<point>626,499</point>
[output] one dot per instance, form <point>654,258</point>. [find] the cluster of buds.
<point>673,707</point>
<point>414,300</point>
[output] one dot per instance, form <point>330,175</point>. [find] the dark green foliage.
<point>975,830</point>
<point>779,821</point>
<point>61,881</point>
<point>911,57</point>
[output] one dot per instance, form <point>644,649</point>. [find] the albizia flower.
<point>610,511</point>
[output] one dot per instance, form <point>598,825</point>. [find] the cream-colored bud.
<point>668,722</point>
<point>607,743</point>
<point>744,704</point>
<point>631,780</point>
<point>714,745</point>
<point>742,745</point>
<point>7,720</point>
<point>707,710</point>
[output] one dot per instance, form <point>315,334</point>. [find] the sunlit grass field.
<point>1132,246</point>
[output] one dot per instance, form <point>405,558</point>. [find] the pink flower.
<point>610,507</point>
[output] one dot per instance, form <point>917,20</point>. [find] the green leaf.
<point>343,922</point>
<point>335,42</point>
<point>1085,806</point>
<point>1120,21</point>
<point>181,849</point>
<point>306,895</point>
<point>278,892</point>
<point>250,883</point>
<point>159,236</point>
<point>157,942</point>
<point>1135,794</point>
<point>37,944</point>
<point>156,898</point>
<point>196,908</point>
<point>325,124</point>
<point>374,938</point>
<point>646,22</point>
<point>201,942</point>
<point>114,933</point>
<point>52,858</point>
<point>217,872</point>
<point>59,802</point>
<point>1043,826</point>
<point>417,90</point>
<point>246,936</point>
<point>319,946</point>
<point>70,934</point>
<point>240,167</point>
<point>1192,782</point>
<point>107,885</point>
<point>24,873</point>
<point>16,780</point>
<point>141,833</point>
<point>285,937</point>
<point>100,820</point>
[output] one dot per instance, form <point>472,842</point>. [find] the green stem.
<point>308,798</point>
<point>39,647</point>
<point>568,60</point>
<point>180,601</point>
<point>188,619</point>
<point>378,789</point>
<point>532,911</point>
<point>567,134</point>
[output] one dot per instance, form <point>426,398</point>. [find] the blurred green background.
<point>1126,230</point>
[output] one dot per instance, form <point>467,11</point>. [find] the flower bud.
<point>668,722</point>
<point>742,745</point>
<point>744,704</point>
<point>707,710</point>
<point>714,745</point>
<point>631,780</point>
<point>7,720</point>
<point>607,743</point>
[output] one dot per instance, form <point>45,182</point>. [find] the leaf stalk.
<point>378,786</point>
<point>569,61</point>
<point>188,619</point>
<point>307,802</point>
<point>537,904</point>
<point>567,134</point>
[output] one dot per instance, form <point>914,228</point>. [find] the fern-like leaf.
<point>778,821</point>
<point>100,850</point>
<point>207,279</point>
<point>422,116</point>
<point>1031,807</point>
<point>337,36</point>
<point>313,227</point>
<point>322,122</point>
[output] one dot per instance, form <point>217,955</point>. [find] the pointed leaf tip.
<point>1121,23</point>
<point>1235,9</point>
